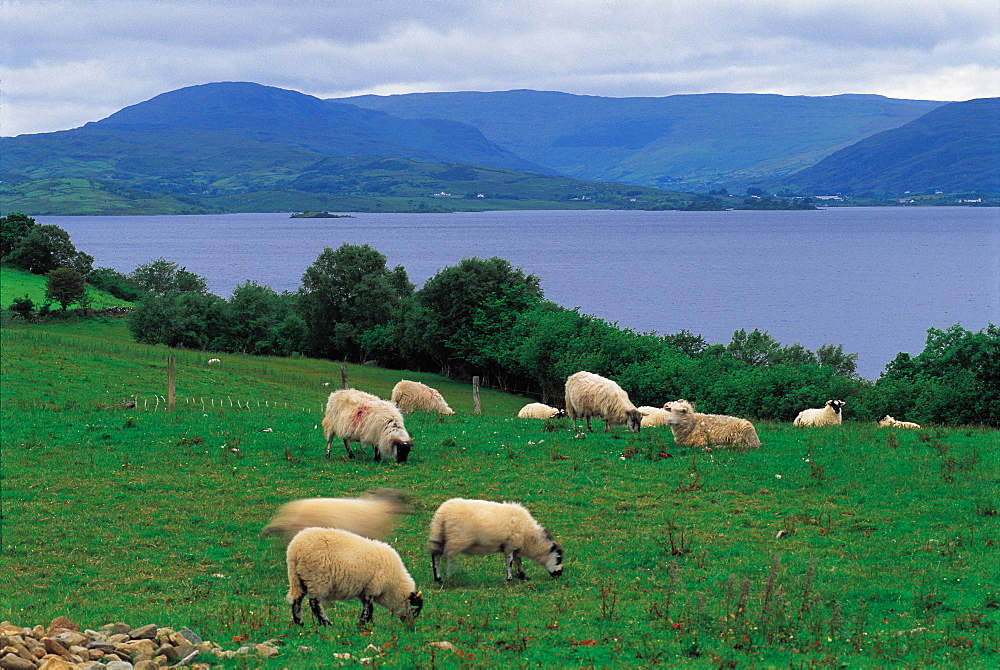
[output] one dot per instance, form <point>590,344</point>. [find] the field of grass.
<point>831,547</point>
<point>16,283</point>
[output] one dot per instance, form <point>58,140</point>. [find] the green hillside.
<point>846,546</point>
<point>16,283</point>
<point>684,142</point>
<point>952,149</point>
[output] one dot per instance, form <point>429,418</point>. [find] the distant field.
<point>18,283</point>
<point>850,546</point>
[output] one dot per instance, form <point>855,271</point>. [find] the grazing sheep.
<point>692,429</point>
<point>356,416</point>
<point>653,416</point>
<point>537,410</point>
<point>330,564</point>
<point>480,527</point>
<point>828,415</point>
<point>373,515</point>
<point>213,361</point>
<point>589,395</point>
<point>412,396</point>
<point>888,422</point>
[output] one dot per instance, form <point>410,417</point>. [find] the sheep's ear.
<point>420,594</point>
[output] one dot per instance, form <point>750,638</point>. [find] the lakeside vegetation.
<point>848,545</point>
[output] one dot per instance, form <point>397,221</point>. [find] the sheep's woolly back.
<point>414,396</point>
<point>372,516</point>
<point>330,564</point>
<point>589,395</point>
<point>889,422</point>
<point>537,410</point>
<point>479,527</point>
<point>654,416</point>
<point>828,415</point>
<point>356,416</point>
<point>693,429</point>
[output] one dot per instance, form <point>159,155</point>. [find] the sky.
<point>67,62</point>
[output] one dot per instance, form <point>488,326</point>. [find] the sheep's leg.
<point>347,445</point>
<point>589,428</point>
<point>367,607</point>
<point>518,568</point>
<point>436,567</point>
<point>377,454</point>
<point>297,610</point>
<point>317,609</point>
<point>329,441</point>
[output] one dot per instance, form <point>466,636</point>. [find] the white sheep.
<point>828,415</point>
<point>331,564</point>
<point>356,416</point>
<point>537,410</point>
<point>888,422</point>
<point>589,395</point>
<point>373,516</point>
<point>213,361</point>
<point>653,416</point>
<point>693,429</point>
<point>414,396</point>
<point>481,527</point>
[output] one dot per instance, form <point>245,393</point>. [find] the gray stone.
<point>143,632</point>
<point>15,662</point>
<point>120,665</point>
<point>106,647</point>
<point>120,628</point>
<point>169,651</point>
<point>190,635</point>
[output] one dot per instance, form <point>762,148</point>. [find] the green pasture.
<point>834,547</point>
<point>16,283</point>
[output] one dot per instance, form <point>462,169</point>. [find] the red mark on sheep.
<point>359,415</point>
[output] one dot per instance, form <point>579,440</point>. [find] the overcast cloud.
<point>67,62</point>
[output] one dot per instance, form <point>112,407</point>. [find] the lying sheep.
<point>888,422</point>
<point>589,395</point>
<point>480,527</point>
<point>330,564</point>
<point>692,429</point>
<point>373,516</point>
<point>537,410</point>
<point>356,416</point>
<point>414,396</point>
<point>654,416</point>
<point>828,415</point>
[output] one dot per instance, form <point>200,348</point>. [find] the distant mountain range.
<point>247,147</point>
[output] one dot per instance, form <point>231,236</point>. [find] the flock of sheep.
<point>335,549</point>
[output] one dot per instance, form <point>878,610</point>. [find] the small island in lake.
<point>320,215</point>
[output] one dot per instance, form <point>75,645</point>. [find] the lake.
<point>871,279</point>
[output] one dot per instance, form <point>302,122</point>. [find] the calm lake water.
<point>871,279</point>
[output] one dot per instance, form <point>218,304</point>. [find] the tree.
<point>163,277</point>
<point>65,286</point>
<point>471,306</point>
<point>262,322</point>
<point>346,292</point>
<point>13,228</point>
<point>22,306</point>
<point>190,320</point>
<point>115,283</point>
<point>44,248</point>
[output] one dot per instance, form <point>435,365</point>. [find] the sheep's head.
<point>633,419</point>
<point>554,560</point>
<point>401,449</point>
<point>836,405</point>
<point>680,411</point>
<point>414,603</point>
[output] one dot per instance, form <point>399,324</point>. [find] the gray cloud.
<point>76,61</point>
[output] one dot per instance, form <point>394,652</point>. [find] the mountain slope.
<point>681,141</point>
<point>213,125</point>
<point>954,148</point>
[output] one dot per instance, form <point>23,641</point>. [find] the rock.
<point>55,663</point>
<point>106,647</point>
<point>143,632</point>
<point>191,636</point>
<point>53,647</point>
<point>147,665</point>
<point>15,662</point>
<point>118,638</point>
<point>168,651</point>
<point>70,638</point>
<point>7,628</point>
<point>119,665</point>
<point>93,665</point>
<point>120,628</point>
<point>59,624</point>
<point>266,650</point>
<point>135,647</point>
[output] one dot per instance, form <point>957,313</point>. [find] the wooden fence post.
<point>343,376</point>
<point>171,382</point>
<point>475,395</point>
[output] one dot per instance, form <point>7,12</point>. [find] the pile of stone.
<point>115,646</point>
